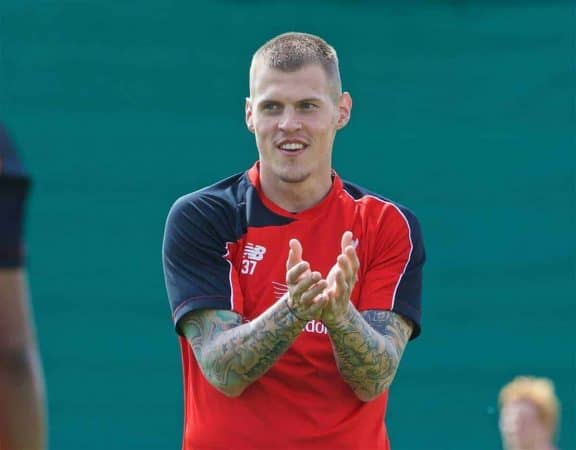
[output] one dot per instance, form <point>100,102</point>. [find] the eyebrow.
<point>304,100</point>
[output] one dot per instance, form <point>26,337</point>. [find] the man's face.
<point>521,426</point>
<point>294,117</point>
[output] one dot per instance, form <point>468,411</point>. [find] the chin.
<point>291,176</point>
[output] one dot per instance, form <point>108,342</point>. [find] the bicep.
<point>203,327</point>
<point>391,325</point>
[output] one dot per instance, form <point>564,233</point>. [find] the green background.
<point>464,111</point>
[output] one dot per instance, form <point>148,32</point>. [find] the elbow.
<point>18,362</point>
<point>367,396</point>
<point>230,386</point>
<point>367,393</point>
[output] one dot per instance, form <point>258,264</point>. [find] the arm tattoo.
<point>368,347</point>
<point>232,355</point>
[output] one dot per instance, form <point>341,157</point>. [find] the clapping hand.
<point>341,280</point>
<point>306,289</point>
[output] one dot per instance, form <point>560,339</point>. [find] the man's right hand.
<point>306,296</point>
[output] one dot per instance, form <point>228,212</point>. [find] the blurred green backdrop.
<point>463,110</point>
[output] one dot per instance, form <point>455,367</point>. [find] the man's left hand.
<point>341,280</point>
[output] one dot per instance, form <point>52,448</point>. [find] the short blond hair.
<point>538,391</point>
<point>291,51</point>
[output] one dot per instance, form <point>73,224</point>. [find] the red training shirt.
<point>225,247</point>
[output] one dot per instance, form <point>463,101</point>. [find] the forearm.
<point>22,399</point>
<point>367,360</point>
<point>22,414</point>
<point>240,355</point>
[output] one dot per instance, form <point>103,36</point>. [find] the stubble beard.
<point>293,175</point>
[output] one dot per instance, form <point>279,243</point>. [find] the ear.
<point>344,110</point>
<point>248,114</point>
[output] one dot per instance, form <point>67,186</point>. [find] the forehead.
<point>309,81</point>
<point>524,407</point>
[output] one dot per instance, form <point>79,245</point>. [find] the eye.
<point>270,107</point>
<point>308,106</point>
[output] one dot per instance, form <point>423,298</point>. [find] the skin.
<point>232,355</point>
<point>522,428</point>
<point>22,404</point>
<point>367,346</point>
<point>295,107</point>
<point>288,108</point>
<point>22,415</point>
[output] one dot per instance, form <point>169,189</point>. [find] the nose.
<point>289,121</point>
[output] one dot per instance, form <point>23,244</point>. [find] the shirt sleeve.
<point>393,278</point>
<point>198,270</point>
<point>14,188</point>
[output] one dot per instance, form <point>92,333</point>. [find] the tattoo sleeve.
<point>368,347</point>
<point>233,354</point>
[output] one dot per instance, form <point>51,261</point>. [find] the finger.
<point>305,282</point>
<point>295,272</point>
<point>322,299</point>
<point>341,285</point>
<point>332,290</point>
<point>295,253</point>
<point>313,291</point>
<point>329,293</point>
<point>345,266</point>
<point>353,258</point>
<point>317,305</point>
<point>346,240</point>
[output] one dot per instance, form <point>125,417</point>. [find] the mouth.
<point>292,147</point>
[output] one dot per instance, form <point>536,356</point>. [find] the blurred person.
<point>293,291</point>
<point>529,411</point>
<point>22,413</point>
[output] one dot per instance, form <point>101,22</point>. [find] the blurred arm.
<point>21,382</point>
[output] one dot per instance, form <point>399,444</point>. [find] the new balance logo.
<point>252,254</point>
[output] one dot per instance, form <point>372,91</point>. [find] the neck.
<point>298,196</point>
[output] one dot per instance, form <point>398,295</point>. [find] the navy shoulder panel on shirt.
<point>217,207</point>
<point>198,229</point>
<point>233,204</point>
<point>200,226</point>
<point>223,210</point>
<point>357,192</point>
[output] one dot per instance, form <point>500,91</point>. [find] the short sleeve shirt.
<point>225,247</point>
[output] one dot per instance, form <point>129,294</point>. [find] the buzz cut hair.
<point>538,391</point>
<point>291,51</point>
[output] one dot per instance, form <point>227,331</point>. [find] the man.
<point>21,380</point>
<point>529,412</point>
<point>294,292</point>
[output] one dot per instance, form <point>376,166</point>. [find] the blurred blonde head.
<point>537,391</point>
<point>529,411</point>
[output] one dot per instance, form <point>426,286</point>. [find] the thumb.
<point>295,254</point>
